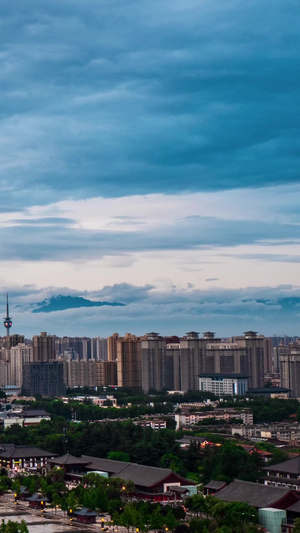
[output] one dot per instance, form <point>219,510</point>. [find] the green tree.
<point>296,526</point>
<point>101,498</point>
<point>156,520</point>
<point>119,456</point>
<point>13,527</point>
<point>129,518</point>
<point>16,486</point>
<point>72,501</point>
<point>199,525</point>
<point>199,504</point>
<point>4,484</point>
<point>56,501</point>
<point>170,520</point>
<point>89,499</point>
<point>235,515</point>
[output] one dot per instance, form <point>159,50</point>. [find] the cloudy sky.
<point>149,155</point>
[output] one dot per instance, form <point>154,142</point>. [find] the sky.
<point>149,155</point>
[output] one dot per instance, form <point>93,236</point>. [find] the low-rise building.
<point>25,417</point>
<point>150,482</point>
<point>258,495</point>
<point>289,433</point>
<point>270,392</point>
<point>189,419</point>
<point>224,384</point>
<point>154,423</point>
<point>285,474</point>
<point>19,458</point>
<point>101,401</point>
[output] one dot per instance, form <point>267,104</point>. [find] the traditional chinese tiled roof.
<point>11,451</point>
<point>254,494</point>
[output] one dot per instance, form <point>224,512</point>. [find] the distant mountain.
<point>286,303</point>
<point>61,303</point>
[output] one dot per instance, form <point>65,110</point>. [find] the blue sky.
<point>149,152</point>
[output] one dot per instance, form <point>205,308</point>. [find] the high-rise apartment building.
<point>80,373</point>
<point>112,347</point>
<point>19,356</point>
<point>254,345</point>
<point>99,349</point>
<point>226,357</point>
<point>92,373</point>
<point>289,365</point>
<point>82,346</point>
<point>4,373</point>
<point>43,347</point>
<point>13,340</point>
<point>106,373</point>
<point>43,378</point>
<point>268,356</point>
<point>153,362</point>
<point>172,365</point>
<point>193,358</point>
<point>129,361</point>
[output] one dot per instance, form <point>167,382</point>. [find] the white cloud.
<point>147,212</point>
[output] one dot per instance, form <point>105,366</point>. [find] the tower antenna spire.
<point>7,320</point>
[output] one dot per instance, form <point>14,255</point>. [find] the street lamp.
<point>102,523</point>
<point>16,498</point>
<point>71,515</point>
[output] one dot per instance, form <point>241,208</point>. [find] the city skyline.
<point>149,156</point>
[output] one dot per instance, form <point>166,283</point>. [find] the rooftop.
<point>291,466</point>
<point>254,494</point>
<point>222,375</point>
<point>142,475</point>
<point>69,459</point>
<point>18,452</point>
<point>215,485</point>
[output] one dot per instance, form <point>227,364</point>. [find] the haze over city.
<point>149,156</point>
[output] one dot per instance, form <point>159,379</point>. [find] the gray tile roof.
<point>145,476</point>
<point>85,512</point>
<point>295,508</point>
<point>141,475</point>
<point>69,459</point>
<point>255,494</point>
<point>291,466</point>
<point>104,465</point>
<point>23,452</point>
<point>34,413</point>
<point>37,498</point>
<point>215,484</point>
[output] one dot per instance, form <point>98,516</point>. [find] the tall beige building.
<point>129,366</point>
<point>254,345</point>
<point>268,356</point>
<point>80,373</point>
<point>289,365</point>
<point>91,373</point>
<point>153,362</point>
<point>112,347</point>
<point>13,340</point>
<point>226,357</point>
<point>106,373</point>
<point>193,358</point>
<point>43,347</point>
<point>19,356</point>
<point>4,373</point>
<point>172,362</point>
